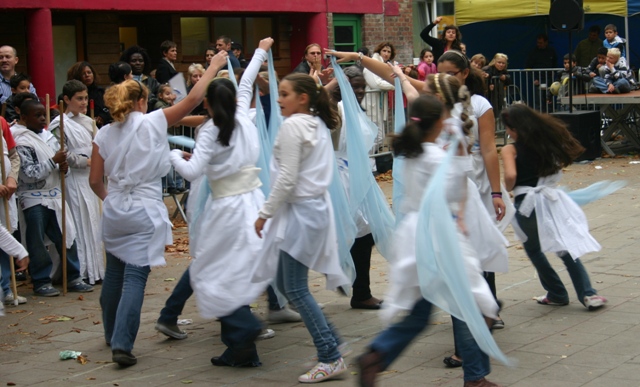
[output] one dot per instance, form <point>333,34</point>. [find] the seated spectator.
<point>140,63</point>
<point>119,72</point>
<point>20,83</point>
<point>597,62</point>
<point>580,75</point>
<point>614,77</point>
<point>85,73</point>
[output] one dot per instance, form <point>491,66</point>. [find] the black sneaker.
<point>21,276</point>
<point>123,358</point>
<point>171,330</point>
<point>46,291</point>
<point>80,287</point>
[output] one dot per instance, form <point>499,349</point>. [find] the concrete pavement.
<point>555,346</point>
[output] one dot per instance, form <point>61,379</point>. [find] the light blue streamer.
<point>345,226</point>
<point>595,191</point>
<point>265,146</point>
<point>398,162</point>
<point>183,141</point>
<point>275,119</point>
<point>441,268</point>
<point>365,194</point>
<point>232,75</point>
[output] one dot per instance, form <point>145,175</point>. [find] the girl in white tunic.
<point>418,144</point>
<point>549,219</point>
<point>301,234</point>
<point>223,242</point>
<point>84,205</point>
<point>134,155</point>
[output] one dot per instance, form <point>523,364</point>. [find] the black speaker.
<point>585,127</point>
<point>566,15</point>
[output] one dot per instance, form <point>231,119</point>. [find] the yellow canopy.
<point>471,11</point>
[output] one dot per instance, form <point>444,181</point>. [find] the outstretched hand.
<point>219,59</point>
<point>265,44</point>
<point>342,56</point>
<point>397,71</point>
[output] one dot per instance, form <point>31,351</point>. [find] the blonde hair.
<point>499,56</point>
<point>192,69</point>
<point>121,99</point>
<point>615,52</point>
<point>223,74</point>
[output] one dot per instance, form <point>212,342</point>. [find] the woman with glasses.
<point>312,59</point>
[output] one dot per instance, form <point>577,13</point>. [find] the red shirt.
<point>6,133</point>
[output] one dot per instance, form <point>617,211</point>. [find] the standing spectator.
<point>543,56</point>
<point>224,43</point>
<point>451,39</point>
<point>140,63</point>
<point>8,62</point>
<point>84,72</point>
<point>613,40</point>
<point>208,54</point>
<point>166,69</point>
<point>20,83</point>
<point>236,48</point>
<point>196,71</point>
<point>587,49</point>
<point>497,79</point>
<point>119,72</point>
<point>426,65</point>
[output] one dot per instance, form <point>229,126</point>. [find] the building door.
<point>347,32</point>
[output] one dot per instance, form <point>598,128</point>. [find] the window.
<point>195,36</point>
<point>347,32</point>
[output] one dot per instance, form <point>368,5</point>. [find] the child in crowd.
<point>561,82</point>
<point>478,61</point>
<point>166,97</point>
<point>40,198</point>
<point>84,205</point>
<point>596,63</point>
<point>613,40</point>
<point>301,233</point>
<point>20,83</point>
<point>615,77</point>
<point>548,219</point>
<point>426,65</point>
<point>120,72</point>
<point>497,78</point>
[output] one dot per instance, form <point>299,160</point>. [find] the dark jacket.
<point>96,93</point>
<point>437,46</point>
<point>164,71</point>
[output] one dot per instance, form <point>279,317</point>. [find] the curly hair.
<point>382,45</point>
<point>121,98</point>
<point>128,53</point>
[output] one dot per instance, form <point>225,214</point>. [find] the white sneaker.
<point>266,334</point>
<point>283,315</point>
<point>8,300</point>
<point>594,302</point>
<point>324,371</point>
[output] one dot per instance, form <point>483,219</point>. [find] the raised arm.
<point>407,87</point>
<point>178,111</point>
<point>245,89</point>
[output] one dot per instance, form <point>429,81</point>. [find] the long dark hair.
<point>456,44</point>
<point>425,111</point>
<point>75,72</point>
<point>319,102</point>
<point>474,81</point>
<point>221,96</point>
<point>547,137</point>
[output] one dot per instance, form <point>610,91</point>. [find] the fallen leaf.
<point>170,279</point>
<point>80,298</point>
<point>64,318</point>
<point>96,322</point>
<point>82,359</point>
<point>186,381</point>
<point>91,378</point>
<point>11,384</point>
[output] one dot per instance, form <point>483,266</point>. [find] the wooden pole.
<point>48,109</point>
<point>8,223</point>
<point>63,259</point>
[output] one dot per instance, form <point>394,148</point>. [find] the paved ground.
<point>555,346</point>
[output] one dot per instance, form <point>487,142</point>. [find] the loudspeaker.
<point>585,127</point>
<point>566,15</point>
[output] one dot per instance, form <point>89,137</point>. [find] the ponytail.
<point>425,111</point>
<point>465,99</point>
<point>121,99</point>
<point>448,88</point>
<point>221,96</point>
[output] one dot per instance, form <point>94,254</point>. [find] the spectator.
<point>615,77</point>
<point>597,62</point>
<point>84,72</point>
<point>587,49</point>
<point>196,71</point>
<point>613,40</point>
<point>224,43</point>
<point>140,63</point>
<point>497,79</point>
<point>478,61</point>
<point>20,83</point>
<point>313,59</point>
<point>119,72</point>
<point>426,65</point>
<point>8,61</point>
<point>543,56</point>
<point>561,85</point>
<point>236,48</point>
<point>451,39</point>
<point>208,54</point>
<point>166,68</point>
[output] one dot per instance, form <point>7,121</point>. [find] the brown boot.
<point>480,383</point>
<point>370,365</point>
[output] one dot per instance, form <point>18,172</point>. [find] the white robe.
<point>135,222</point>
<point>224,243</point>
<point>13,209</point>
<point>83,203</point>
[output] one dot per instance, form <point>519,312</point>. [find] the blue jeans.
<point>475,363</point>
<point>272,299</point>
<point>121,302</point>
<point>239,331</point>
<point>176,301</point>
<point>5,273</point>
<point>42,221</point>
<point>548,277</point>
<point>293,280</point>
<point>392,341</point>
<point>622,84</point>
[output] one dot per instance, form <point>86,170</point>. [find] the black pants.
<point>361,254</point>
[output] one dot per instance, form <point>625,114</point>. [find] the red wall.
<point>338,6</point>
